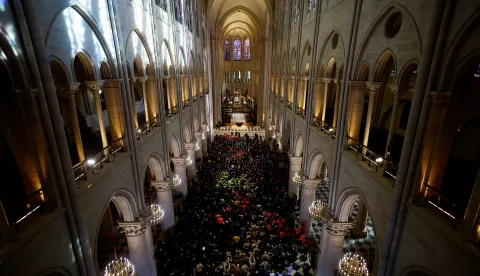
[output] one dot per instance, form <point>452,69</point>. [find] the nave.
<point>237,218</point>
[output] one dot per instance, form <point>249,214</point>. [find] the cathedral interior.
<point>253,137</point>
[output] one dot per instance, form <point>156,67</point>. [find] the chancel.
<point>255,137</point>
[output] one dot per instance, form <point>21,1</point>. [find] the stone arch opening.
<point>352,207</point>
<point>298,147</point>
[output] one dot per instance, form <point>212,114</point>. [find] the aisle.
<point>237,218</point>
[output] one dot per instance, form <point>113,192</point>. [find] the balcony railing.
<point>289,105</point>
<point>194,98</point>
<point>281,99</point>
<point>301,112</point>
<point>387,167</point>
<point>34,202</point>
<point>330,131</point>
<point>107,154</point>
<point>147,128</point>
<point>185,103</point>
<point>171,112</point>
<point>447,207</point>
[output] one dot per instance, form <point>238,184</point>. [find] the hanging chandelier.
<point>352,265</point>
<point>197,146</point>
<point>318,210</point>
<point>120,267</point>
<point>188,161</point>
<point>175,181</point>
<point>298,178</point>
<point>157,214</point>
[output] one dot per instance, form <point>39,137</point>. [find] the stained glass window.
<point>247,49</point>
<point>296,16</point>
<point>178,11</point>
<point>237,49</point>
<point>312,4</point>
<point>227,49</point>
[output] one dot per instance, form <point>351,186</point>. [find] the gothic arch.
<point>166,44</point>
<point>363,72</point>
<point>196,125</point>
<point>57,66</point>
<point>175,147</point>
<point>187,132</point>
<point>381,62</point>
<point>298,146</point>
<point>316,165</point>
<point>156,167</point>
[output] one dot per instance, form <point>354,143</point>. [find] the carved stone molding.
<point>178,161</point>
<point>69,89</point>
<point>94,85</point>
<point>374,86</point>
<point>190,146</point>
<point>327,80</point>
<point>132,229</point>
<point>152,78</point>
<point>296,160</point>
<point>397,90</point>
<point>142,79</point>
<point>357,84</point>
<point>339,228</point>
<point>311,184</point>
<point>337,81</point>
<point>112,83</point>
<point>161,186</point>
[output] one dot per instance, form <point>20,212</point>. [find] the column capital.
<point>190,146</point>
<point>69,88</point>
<point>327,80</point>
<point>94,85</point>
<point>291,77</point>
<point>318,80</point>
<point>112,83</point>
<point>374,86</point>
<point>179,161</point>
<point>161,186</point>
<point>337,81</point>
<point>142,79</point>
<point>295,160</point>
<point>397,90</point>
<point>357,84</point>
<point>198,135</point>
<point>152,78</point>
<point>132,229</point>
<point>339,228</point>
<point>311,184</point>
<point>166,77</point>
<point>133,79</point>
<point>440,98</point>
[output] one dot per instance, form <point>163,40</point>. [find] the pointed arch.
<point>331,68</point>
<point>298,146</point>
<point>156,166</point>
<point>317,164</point>
<point>187,132</point>
<point>363,72</point>
<point>382,63</point>
<point>59,71</point>
<point>175,147</point>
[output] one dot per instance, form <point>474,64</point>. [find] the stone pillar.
<point>302,93</point>
<point>95,87</point>
<point>373,87</point>
<point>327,82</point>
<point>134,107</point>
<point>172,93</point>
<point>181,170</point>
<point>360,221</point>
<point>289,96</point>
<point>318,90</point>
<point>137,247</point>
<point>295,166</point>
<point>147,218</point>
<point>152,95</point>
<point>198,152</point>
<point>334,237</point>
<point>308,196</point>
<point>356,101</point>
<point>338,86</point>
<point>111,90</point>
<point>393,122</point>
<point>191,170</point>
<point>69,90</point>
<point>143,80</point>
<point>165,200</point>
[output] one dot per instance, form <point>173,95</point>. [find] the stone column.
<point>181,170</point>
<point>152,96</point>
<point>318,90</point>
<point>308,196</point>
<point>69,90</point>
<point>191,170</point>
<point>134,107</point>
<point>373,87</point>
<point>165,200</point>
<point>334,237</point>
<point>147,218</point>
<point>393,122</point>
<point>198,152</point>
<point>95,87</point>
<point>172,93</point>
<point>327,82</point>
<point>360,221</point>
<point>301,93</point>
<point>289,96</point>
<point>143,80</point>
<point>295,166</point>
<point>356,101</point>
<point>338,86</point>
<point>137,247</point>
<point>111,90</point>
<point>204,139</point>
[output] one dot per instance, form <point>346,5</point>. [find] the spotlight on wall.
<point>91,164</point>
<point>379,160</point>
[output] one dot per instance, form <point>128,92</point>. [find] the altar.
<point>250,130</point>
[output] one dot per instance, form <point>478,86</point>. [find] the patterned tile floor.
<point>302,266</point>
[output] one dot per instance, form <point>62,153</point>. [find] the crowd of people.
<point>236,220</point>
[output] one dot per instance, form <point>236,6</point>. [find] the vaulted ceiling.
<point>248,16</point>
